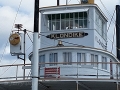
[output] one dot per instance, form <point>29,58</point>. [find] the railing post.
<point>111,70</point>
<point>117,71</point>
<point>16,72</point>
<point>77,70</point>
<point>77,85</point>
<point>117,86</point>
<point>97,70</point>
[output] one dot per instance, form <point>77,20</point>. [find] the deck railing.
<point>63,71</point>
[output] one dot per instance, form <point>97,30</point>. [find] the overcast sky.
<point>9,16</point>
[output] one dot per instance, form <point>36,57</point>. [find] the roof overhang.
<point>57,9</point>
<point>67,11</point>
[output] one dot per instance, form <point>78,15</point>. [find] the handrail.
<point>75,65</point>
<point>13,65</point>
<point>62,63</point>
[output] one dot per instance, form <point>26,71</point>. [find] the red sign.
<point>52,72</point>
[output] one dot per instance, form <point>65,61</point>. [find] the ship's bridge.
<point>83,24</point>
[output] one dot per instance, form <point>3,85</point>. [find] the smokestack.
<point>58,3</point>
<point>91,1</point>
<point>118,30</point>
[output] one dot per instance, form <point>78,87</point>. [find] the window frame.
<point>67,58</point>
<point>42,61</point>
<point>104,62</point>
<point>53,58</point>
<point>81,58</point>
<point>71,21</point>
<point>100,28</point>
<point>94,58</point>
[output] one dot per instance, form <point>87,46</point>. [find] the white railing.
<point>62,71</point>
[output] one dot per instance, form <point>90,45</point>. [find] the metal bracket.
<point>20,57</point>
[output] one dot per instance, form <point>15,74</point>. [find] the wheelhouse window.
<point>94,60</point>
<point>53,58</point>
<point>67,21</point>
<point>100,26</point>
<point>67,58</point>
<point>81,58</point>
<point>42,60</point>
<point>104,63</point>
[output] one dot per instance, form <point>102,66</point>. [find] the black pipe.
<point>118,30</point>
<point>36,16</point>
<point>58,3</point>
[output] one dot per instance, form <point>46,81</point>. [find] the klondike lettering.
<point>67,35</point>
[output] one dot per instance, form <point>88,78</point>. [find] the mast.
<point>58,3</point>
<point>118,30</point>
<point>34,61</point>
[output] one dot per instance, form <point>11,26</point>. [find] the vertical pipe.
<point>66,2</point>
<point>118,30</point>
<point>58,3</point>
<point>34,61</point>
<point>24,54</point>
<point>36,16</point>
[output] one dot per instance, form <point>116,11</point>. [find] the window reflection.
<point>67,21</point>
<point>63,25</point>
<point>58,25</point>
